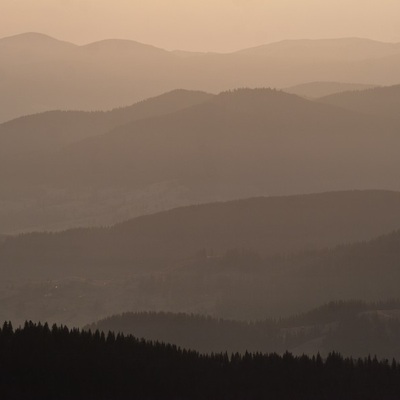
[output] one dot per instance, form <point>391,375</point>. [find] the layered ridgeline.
<point>39,134</point>
<point>315,90</point>
<point>26,140</point>
<point>353,328</point>
<point>83,365</point>
<point>235,145</point>
<point>246,259</point>
<point>377,101</point>
<point>103,75</point>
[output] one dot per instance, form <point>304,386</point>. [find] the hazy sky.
<point>214,25</point>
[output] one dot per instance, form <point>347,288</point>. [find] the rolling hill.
<point>239,142</point>
<point>236,139</point>
<point>354,49</point>
<point>235,145</point>
<point>377,101</point>
<point>315,90</point>
<point>42,133</point>
<point>268,226</point>
<point>374,331</point>
<point>57,75</point>
<point>83,276</point>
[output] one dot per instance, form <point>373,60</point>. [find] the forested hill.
<point>268,226</point>
<point>354,328</point>
<point>314,90</point>
<point>58,363</point>
<point>70,276</point>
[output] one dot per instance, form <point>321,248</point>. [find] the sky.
<point>202,25</point>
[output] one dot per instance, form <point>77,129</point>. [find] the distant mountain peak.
<point>257,96</point>
<point>32,38</point>
<point>122,44</point>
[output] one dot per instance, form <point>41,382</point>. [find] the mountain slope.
<point>373,330</point>
<point>87,275</point>
<point>58,75</point>
<point>268,226</point>
<point>43,133</point>
<point>238,144</point>
<point>354,49</point>
<point>377,101</point>
<point>112,73</point>
<point>241,141</point>
<point>314,90</point>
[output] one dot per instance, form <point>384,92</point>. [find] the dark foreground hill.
<point>353,328</point>
<point>58,363</point>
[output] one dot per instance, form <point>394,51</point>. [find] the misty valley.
<point>187,225</point>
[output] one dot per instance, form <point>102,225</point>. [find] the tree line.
<point>42,362</point>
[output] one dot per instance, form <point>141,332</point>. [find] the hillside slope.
<point>377,101</point>
<point>47,132</point>
<point>82,276</point>
<point>238,144</point>
<point>267,226</point>
<point>354,328</point>
<point>240,140</point>
<point>315,90</point>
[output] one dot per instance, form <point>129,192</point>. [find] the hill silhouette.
<point>42,133</point>
<point>318,331</point>
<point>268,226</point>
<point>84,365</point>
<point>57,75</point>
<point>235,145</point>
<point>377,101</point>
<point>315,90</point>
<point>86,275</point>
<point>230,138</point>
<point>355,49</point>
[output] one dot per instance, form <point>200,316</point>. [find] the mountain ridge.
<point>84,77</point>
<point>268,226</point>
<point>326,326</point>
<point>72,126</point>
<point>382,101</point>
<point>234,273</point>
<point>284,42</point>
<point>238,144</point>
